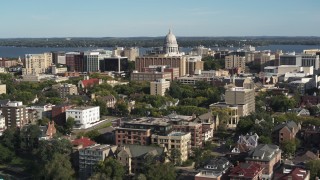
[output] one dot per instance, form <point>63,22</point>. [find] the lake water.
<point>21,51</point>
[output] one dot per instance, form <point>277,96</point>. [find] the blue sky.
<point>127,18</point>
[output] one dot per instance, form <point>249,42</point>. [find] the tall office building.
<point>58,57</point>
<point>116,64</point>
<point>131,53</point>
<point>159,87</point>
<point>37,63</point>
<point>91,62</point>
<point>75,61</point>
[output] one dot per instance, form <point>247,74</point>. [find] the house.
<point>302,159</point>
<point>293,174</point>
<point>246,143</point>
<point>132,156</point>
<point>208,118</point>
<point>301,111</point>
<point>285,131</point>
<point>215,169</point>
<point>246,171</point>
<point>311,136</point>
<point>109,100</point>
<point>47,132</point>
<point>268,156</point>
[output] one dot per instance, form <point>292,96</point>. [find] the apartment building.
<point>175,140</point>
<point>90,156</point>
<point>234,61</point>
<point>159,87</point>
<point>150,76</point>
<point>65,89</point>
<point>195,130</point>
<point>37,63</point>
<point>132,136</point>
<point>15,114</point>
<point>84,116</point>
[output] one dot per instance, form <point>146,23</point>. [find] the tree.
<point>121,108</point>
<point>289,147</point>
<point>265,140</point>
<point>314,167</point>
<point>11,138</point>
<point>109,168</point>
<point>161,171</point>
<point>68,126</point>
<point>29,136</point>
<point>58,168</point>
<point>6,155</point>
<point>175,156</point>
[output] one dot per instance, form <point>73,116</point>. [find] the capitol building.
<point>170,58</point>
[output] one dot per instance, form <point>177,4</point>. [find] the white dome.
<point>170,38</point>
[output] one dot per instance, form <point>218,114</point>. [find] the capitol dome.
<point>170,44</point>
<point>170,38</point>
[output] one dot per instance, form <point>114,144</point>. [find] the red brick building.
<point>195,130</point>
<point>285,131</point>
<point>59,114</point>
<point>132,136</point>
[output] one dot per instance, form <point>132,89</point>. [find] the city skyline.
<point>36,18</point>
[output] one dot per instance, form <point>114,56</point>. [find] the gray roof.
<point>138,150</point>
<point>219,164</point>
<point>291,125</point>
<point>264,152</point>
<point>4,102</point>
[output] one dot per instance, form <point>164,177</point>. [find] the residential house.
<point>48,131</point>
<point>91,155</point>
<point>268,156</point>
<point>109,100</point>
<point>302,159</point>
<point>215,169</point>
<point>132,156</point>
<point>246,143</point>
<point>301,111</point>
<point>246,171</point>
<point>293,174</point>
<point>311,136</point>
<point>285,131</point>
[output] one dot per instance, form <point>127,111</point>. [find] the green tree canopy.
<point>109,168</point>
<point>161,171</point>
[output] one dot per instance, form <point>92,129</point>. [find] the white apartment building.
<point>177,140</point>
<point>37,63</point>
<point>85,116</point>
<point>159,87</point>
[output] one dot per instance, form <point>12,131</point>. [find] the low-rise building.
<point>132,157</point>
<point>65,89</point>
<point>3,89</point>
<point>175,140</point>
<point>266,155</point>
<point>246,143</point>
<point>292,174</point>
<point>43,111</point>
<point>150,76</point>
<point>91,155</point>
<point>59,114</point>
<point>195,130</point>
<point>215,169</point>
<point>78,144</point>
<point>84,116</point>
